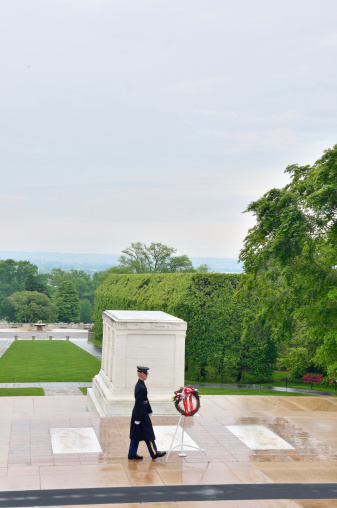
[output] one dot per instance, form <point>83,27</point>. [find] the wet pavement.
<point>4,345</point>
<point>266,478</point>
<point>302,475</point>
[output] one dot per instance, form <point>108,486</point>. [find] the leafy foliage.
<point>203,268</point>
<point>290,259</point>
<point>155,258</point>
<point>206,302</point>
<point>31,306</point>
<point>37,283</point>
<point>85,284</point>
<point>15,276</point>
<point>67,302</point>
<point>86,311</point>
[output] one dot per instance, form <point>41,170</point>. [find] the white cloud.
<point>11,198</point>
<point>193,86</point>
<point>329,41</point>
<point>287,115</point>
<point>124,121</point>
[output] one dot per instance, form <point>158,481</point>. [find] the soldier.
<point>141,427</point>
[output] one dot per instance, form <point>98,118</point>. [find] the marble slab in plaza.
<point>74,440</point>
<point>258,437</point>
<point>130,338</point>
<point>165,434</point>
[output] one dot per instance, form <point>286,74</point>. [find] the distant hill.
<point>91,263</point>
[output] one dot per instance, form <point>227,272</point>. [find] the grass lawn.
<point>280,375</point>
<point>19,392</point>
<point>27,361</point>
<point>96,342</point>
<point>246,391</point>
<point>84,390</point>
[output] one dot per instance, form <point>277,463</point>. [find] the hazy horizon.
<point>95,254</point>
<point>46,261</point>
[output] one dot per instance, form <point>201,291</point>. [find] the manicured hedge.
<point>204,301</point>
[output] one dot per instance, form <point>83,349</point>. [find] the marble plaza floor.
<point>55,443</point>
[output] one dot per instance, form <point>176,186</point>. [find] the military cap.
<point>143,369</point>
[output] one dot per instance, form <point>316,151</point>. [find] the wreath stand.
<point>182,453</point>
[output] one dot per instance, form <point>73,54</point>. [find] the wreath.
<point>186,395</point>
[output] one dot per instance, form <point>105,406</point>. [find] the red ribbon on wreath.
<point>187,396</point>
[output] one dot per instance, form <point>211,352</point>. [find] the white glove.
<point>137,423</point>
<point>150,414</point>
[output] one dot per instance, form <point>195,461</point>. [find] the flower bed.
<point>312,378</point>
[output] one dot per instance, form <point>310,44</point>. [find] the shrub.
<point>312,378</point>
<point>327,381</point>
<point>207,302</point>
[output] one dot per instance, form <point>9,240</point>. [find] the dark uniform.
<point>141,426</point>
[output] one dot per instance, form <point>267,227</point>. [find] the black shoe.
<point>135,457</point>
<point>158,455</point>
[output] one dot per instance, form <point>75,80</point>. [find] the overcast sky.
<point>157,120</point>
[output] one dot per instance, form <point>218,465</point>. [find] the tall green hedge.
<point>204,301</point>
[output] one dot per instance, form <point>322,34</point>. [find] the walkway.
<point>36,471</point>
<point>4,345</point>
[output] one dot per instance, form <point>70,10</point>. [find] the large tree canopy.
<point>84,283</point>
<point>155,258</point>
<point>31,306</point>
<point>290,259</point>
<point>16,276</point>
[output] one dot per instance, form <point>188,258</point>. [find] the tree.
<point>290,258</point>
<point>36,283</point>
<point>67,302</point>
<point>203,268</point>
<point>155,258</point>
<point>254,350</point>
<point>179,264</point>
<point>13,277</point>
<point>86,311</point>
<point>31,306</point>
<point>84,283</point>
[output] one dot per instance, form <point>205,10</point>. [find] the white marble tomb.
<point>152,339</point>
